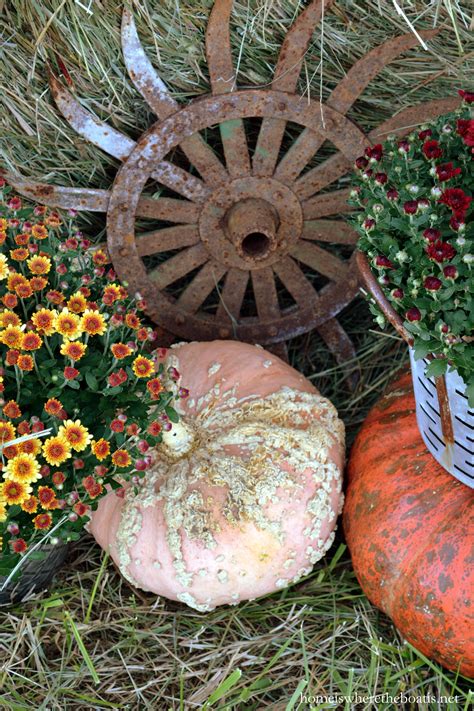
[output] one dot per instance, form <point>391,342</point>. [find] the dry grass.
<point>93,642</point>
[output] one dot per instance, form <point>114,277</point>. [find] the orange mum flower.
<point>11,451</point>
<point>73,350</point>
<point>53,220</point>
<point>53,406</point>
<point>14,492</point>
<point>11,357</point>
<point>25,362</point>
<point>38,283</point>
<point>121,458</point>
<point>39,265</point>
<point>100,449</point>
<point>143,367</point>
<point>24,290</point>
<point>68,325</point>
<point>11,410</point>
<point>19,254</point>
<point>31,446</point>
<point>80,508</point>
<point>43,521</point>
<point>155,387</point>
<point>9,318</point>
<point>19,545</point>
<point>120,350</point>
<point>132,321</point>
<point>56,450</point>
<point>22,239</point>
<point>15,279</point>
<point>111,294</point>
<point>44,320</point>
<point>39,231</point>
<point>77,303</point>
<point>55,296</point>
<point>93,323</point>
<point>58,478</point>
<point>10,300</point>
<point>11,336</point>
<point>100,258</point>
<point>47,498</point>
<point>31,341</point>
<point>30,505</point>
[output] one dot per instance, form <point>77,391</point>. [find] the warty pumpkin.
<point>244,492</point>
<point>410,530</point>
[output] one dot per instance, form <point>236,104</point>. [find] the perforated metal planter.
<point>445,421</point>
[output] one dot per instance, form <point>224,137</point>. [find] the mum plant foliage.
<point>416,228</point>
<point>76,376</point>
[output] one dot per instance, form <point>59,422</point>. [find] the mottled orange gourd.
<point>410,529</point>
<point>244,492</point>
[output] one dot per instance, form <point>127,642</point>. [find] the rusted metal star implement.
<point>241,245</point>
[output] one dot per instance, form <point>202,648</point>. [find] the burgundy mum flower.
<point>397,293</point>
<point>375,152</point>
<point>410,207</point>
<point>413,314</point>
<point>456,199</point>
<point>432,149</point>
<point>403,146</point>
<point>384,262</point>
<point>450,272</point>
<point>431,234</point>
<point>467,96</point>
<point>425,134</point>
<point>463,126</point>
<point>381,178</point>
<point>432,283</point>
<point>446,171</point>
<point>456,221</point>
<point>369,223</point>
<point>440,251</point>
<point>392,194</point>
<point>361,162</point>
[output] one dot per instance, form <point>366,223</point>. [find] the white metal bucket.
<point>455,451</point>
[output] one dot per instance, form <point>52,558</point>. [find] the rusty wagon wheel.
<point>237,229</point>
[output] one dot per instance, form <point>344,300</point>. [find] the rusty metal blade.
<point>322,175</point>
<point>320,260</point>
<point>408,119</point>
<point>178,266</point>
<point>92,200</point>
<point>222,75</point>
<point>341,347</point>
<point>201,286</point>
<point>327,204</point>
<point>167,239</point>
<point>232,295</point>
<point>154,91</point>
<point>295,281</point>
<point>362,72</point>
<point>266,297</point>
<point>333,231</point>
<point>120,146</point>
<point>287,71</point>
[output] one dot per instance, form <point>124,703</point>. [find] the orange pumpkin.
<point>410,529</point>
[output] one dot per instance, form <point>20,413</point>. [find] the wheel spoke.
<point>180,181</point>
<point>321,176</point>
<point>266,297</point>
<point>287,71</point>
<point>232,295</point>
<point>409,118</point>
<point>324,205</point>
<point>295,281</point>
<point>201,286</point>
<point>168,209</point>
<point>156,94</point>
<point>300,153</point>
<point>320,260</point>
<point>334,231</point>
<point>178,266</point>
<point>166,239</point>
<point>341,347</point>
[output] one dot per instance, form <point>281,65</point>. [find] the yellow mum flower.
<point>30,505</point>
<point>9,318</point>
<point>3,267</point>
<point>12,336</point>
<point>68,325</point>
<point>73,350</point>
<point>77,303</point>
<point>23,468</point>
<point>3,512</point>
<point>143,367</point>
<point>15,492</point>
<point>56,450</point>
<point>44,320</point>
<point>7,432</point>
<point>75,434</point>
<point>39,265</point>
<point>93,323</point>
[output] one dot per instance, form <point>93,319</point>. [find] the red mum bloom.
<point>70,373</point>
<point>11,410</point>
<point>456,199</point>
<point>155,387</point>
<point>392,194</point>
<point>431,234</point>
<point>432,283</point>
<point>154,428</point>
<point>467,96</point>
<point>361,162</point>
<point>80,508</point>
<point>410,207</point>
<point>43,521</point>
<point>413,314</point>
<point>19,545</point>
<point>450,272</point>
<point>446,171</point>
<point>375,152</point>
<point>432,150</point>
<point>425,134</point>
<point>440,251</point>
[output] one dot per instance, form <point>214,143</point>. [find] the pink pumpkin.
<point>244,493</point>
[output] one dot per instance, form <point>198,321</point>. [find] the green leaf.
<point>172,414</point>
<point>91,381</point>
<point>437,367</point>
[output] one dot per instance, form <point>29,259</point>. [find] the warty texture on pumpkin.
<point>243,495</point>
